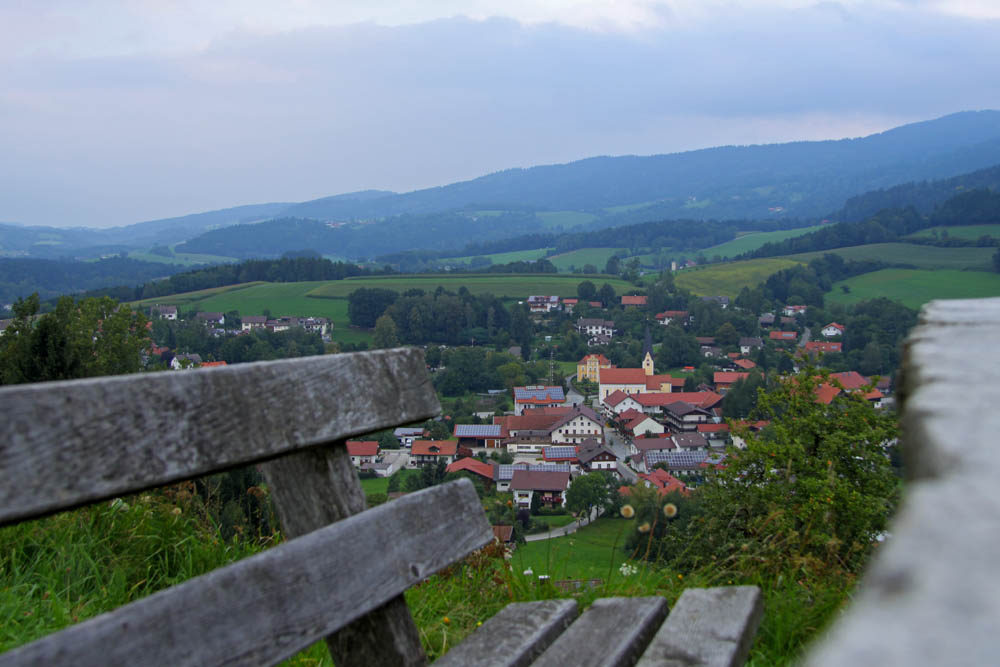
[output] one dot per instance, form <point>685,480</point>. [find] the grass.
<point>919,256</point>
<point>516,286</point>
<point>586,554</point>
<point>968,232</point>
<point>913,288</point>
<point>729,278</point>
<point>381,484</point>
<point>564,219</point>
<point>182,258</point>
<point>578,258</point>
<point>506,257</point>
<point>753,240</point>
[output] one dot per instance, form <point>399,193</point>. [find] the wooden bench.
<point>342,574</point>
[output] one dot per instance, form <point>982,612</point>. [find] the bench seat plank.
<point>708,627</point>
<point>612,632</point>
<point>518,634</point>
<point>267,607</point>
<point>74,442</point>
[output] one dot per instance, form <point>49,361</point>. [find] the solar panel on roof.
<point>559,452</point>
<point>539,393</point>
<point>477,430</point>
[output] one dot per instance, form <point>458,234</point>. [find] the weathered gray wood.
<point>317,487</point>
<point>708,627</point>
<point>265,608</point>
<point>612,632</point>
<point>929,596</point>
<point>518,634</point>
<point>70,443</point>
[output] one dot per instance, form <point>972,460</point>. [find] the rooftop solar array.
<point>676,459</point>
<point>559,452</point>
<point>539,393</point>
<point>477,430</point>
<point>506,470</point>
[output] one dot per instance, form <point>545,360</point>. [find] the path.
<point>561,531</point>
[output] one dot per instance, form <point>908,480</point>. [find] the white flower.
<point>628,570</point>
<point>528,572</point>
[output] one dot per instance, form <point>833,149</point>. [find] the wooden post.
<point>312,489</point>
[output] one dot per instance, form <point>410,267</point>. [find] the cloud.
<point>254,115</point>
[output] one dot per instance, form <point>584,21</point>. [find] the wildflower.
<point>628,570</point>
<point>446,620</point>
<point>529,572</point>
<point>628,511</point>
<point>670,510</point>
<point>479,624</point>
<point>176,510</point>
<point>644,528</point>
<point>680,576</point>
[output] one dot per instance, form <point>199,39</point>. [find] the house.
<point>589,326</point>
<point>543,304</point>
<point>724,380</point>
<point>550,486</point>
<point>710,351</point>
<point>212,319</point>
<point>252,322</point>
<point>479,435</point>
<point>569,304</point>
<point>474,466</point>
<point>634,300</point>
<point>504,473</point>
<point>668,316</point>
<point>634,381</point>
<point>642,446</point>
<point>745,364</point>
<point>682,416</point>
<point>792,311</point>
<point>537,396</point>
<point>678,463</point>
<point>316,325</point>
<point>749,344</point>
<point>185,361</point>
<point>589,367</point>
<point>766,320</point>
<point>619,402</point>
<point>561,454</point>
<point>832,329</point>
<point>527,433</point>
<point>693,441</point>
<point>784,336</point>
<point>406,435</point>
<point>592,455</point>
<point>362,451</point>
<point>655,403</point>
<point>662,481</point>
<point>643,425</point>
<point>429,452</point>
<point>282,323</point>
<point>576,427</point>
<point>382,469</point>
<point>165,312</point>
<point>814,348</point>
<point>754,427</point>
<point>715,434</point>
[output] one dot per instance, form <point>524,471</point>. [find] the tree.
<point>385,332</point>
<point>606,295</point>
<point>367,304</point>
<point>996,260</point>
<point>586,290</point>
<point>587,492</point>
<point>613,265</point>
<point>814,489</point>
<point>727,335</point>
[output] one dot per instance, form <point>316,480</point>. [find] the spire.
<point>647,353</point>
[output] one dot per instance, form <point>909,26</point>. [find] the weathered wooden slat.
<point>265,608</point>
<point>613,632</point>
<point>70,443</point>
<point>708,627</point>
<point>517,635</point>
<point>317,487</point>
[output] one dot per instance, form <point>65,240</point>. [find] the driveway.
<point>561,531</point>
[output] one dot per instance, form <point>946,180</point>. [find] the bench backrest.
<point>77,442</point>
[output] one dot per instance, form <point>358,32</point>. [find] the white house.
<point>832,329</point>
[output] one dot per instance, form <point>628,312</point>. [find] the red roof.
<point>671,314</point>
<point>701,399</point>
<point>622,376</point>
<point>664,482</point>
<point>595,304</point>
<point>834,325</point>
<point>745,363</point>
<point>601,359</point>
<point>210,364</point>
<point>783,335</point>
<point>531,420</point>
<point>630,414</point>
<point>729,377</point>
<point>434,447</point>
<point>615,397</point>
<point>654,382</point>
<point>472,465</point>
<point>362,447</point>
<point>637,422</point>
<point>536,480</point>
<point>637,300</point>
<point>713,428</point>
<point>569,301</point>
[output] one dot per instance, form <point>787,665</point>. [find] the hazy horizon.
<point>116,113</point>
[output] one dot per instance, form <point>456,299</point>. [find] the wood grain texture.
<point>514,637</point>
<point>267,607</point>
<point>613,632</point>
<point>70,443</point>
<point>708,627</point>
<point>314,488</point>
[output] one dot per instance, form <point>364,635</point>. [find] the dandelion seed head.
<point>670,510</point>
<point>628,511</point>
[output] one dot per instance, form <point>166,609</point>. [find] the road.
<point>561,531</point>
<point>573,397</point>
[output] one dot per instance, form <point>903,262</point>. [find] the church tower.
<point>647,353</point>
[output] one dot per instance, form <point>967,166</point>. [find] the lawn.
<point>381,484</point>
<point>919,256</point>
<point>586,554</point>
<point>578,258</point>
<point>913,288</point>
<point>969,232</point>
<point>516,286</point>
<point>729,278</point>
<point>754,240</point>
<point>189,299</point>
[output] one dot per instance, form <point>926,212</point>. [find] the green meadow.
<point>729,278</point>
<point>588,553</point>
<point>919,256</point>
<point>181,258</point>
<point>751,241</point>
<point>514,286</point>
<point>578,258</point>
<point>966,232</point>
<point>506,257</point>
<point>913,287</point>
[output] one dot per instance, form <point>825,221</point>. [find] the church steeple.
<point>647,353</point>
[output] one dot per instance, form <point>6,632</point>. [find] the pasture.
<point>753,240</point>
<point>181,258</point>
<point>966,232</point>
<point>513,286</point>
<point>505,257</point>
<point>913,288</point>
<point>918,256</point>
<point>588,553</point>
<point>729,278</point>
<point>578,258</point>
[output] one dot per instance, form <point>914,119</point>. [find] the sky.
<point>115,111</point>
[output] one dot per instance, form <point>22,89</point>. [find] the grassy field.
<point>754,240</point>
<point>381,484</point>
<point>505,257</point>
<point>565,219</point>
<point>586,554</point>
<point>913,288</point>
<point>970,232</point>
<point>189,299</point>
<point>920,256</point>
<point>578,258</point>
<point>502,285</point>
<point>182,258</point>
<point>728,279</point>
